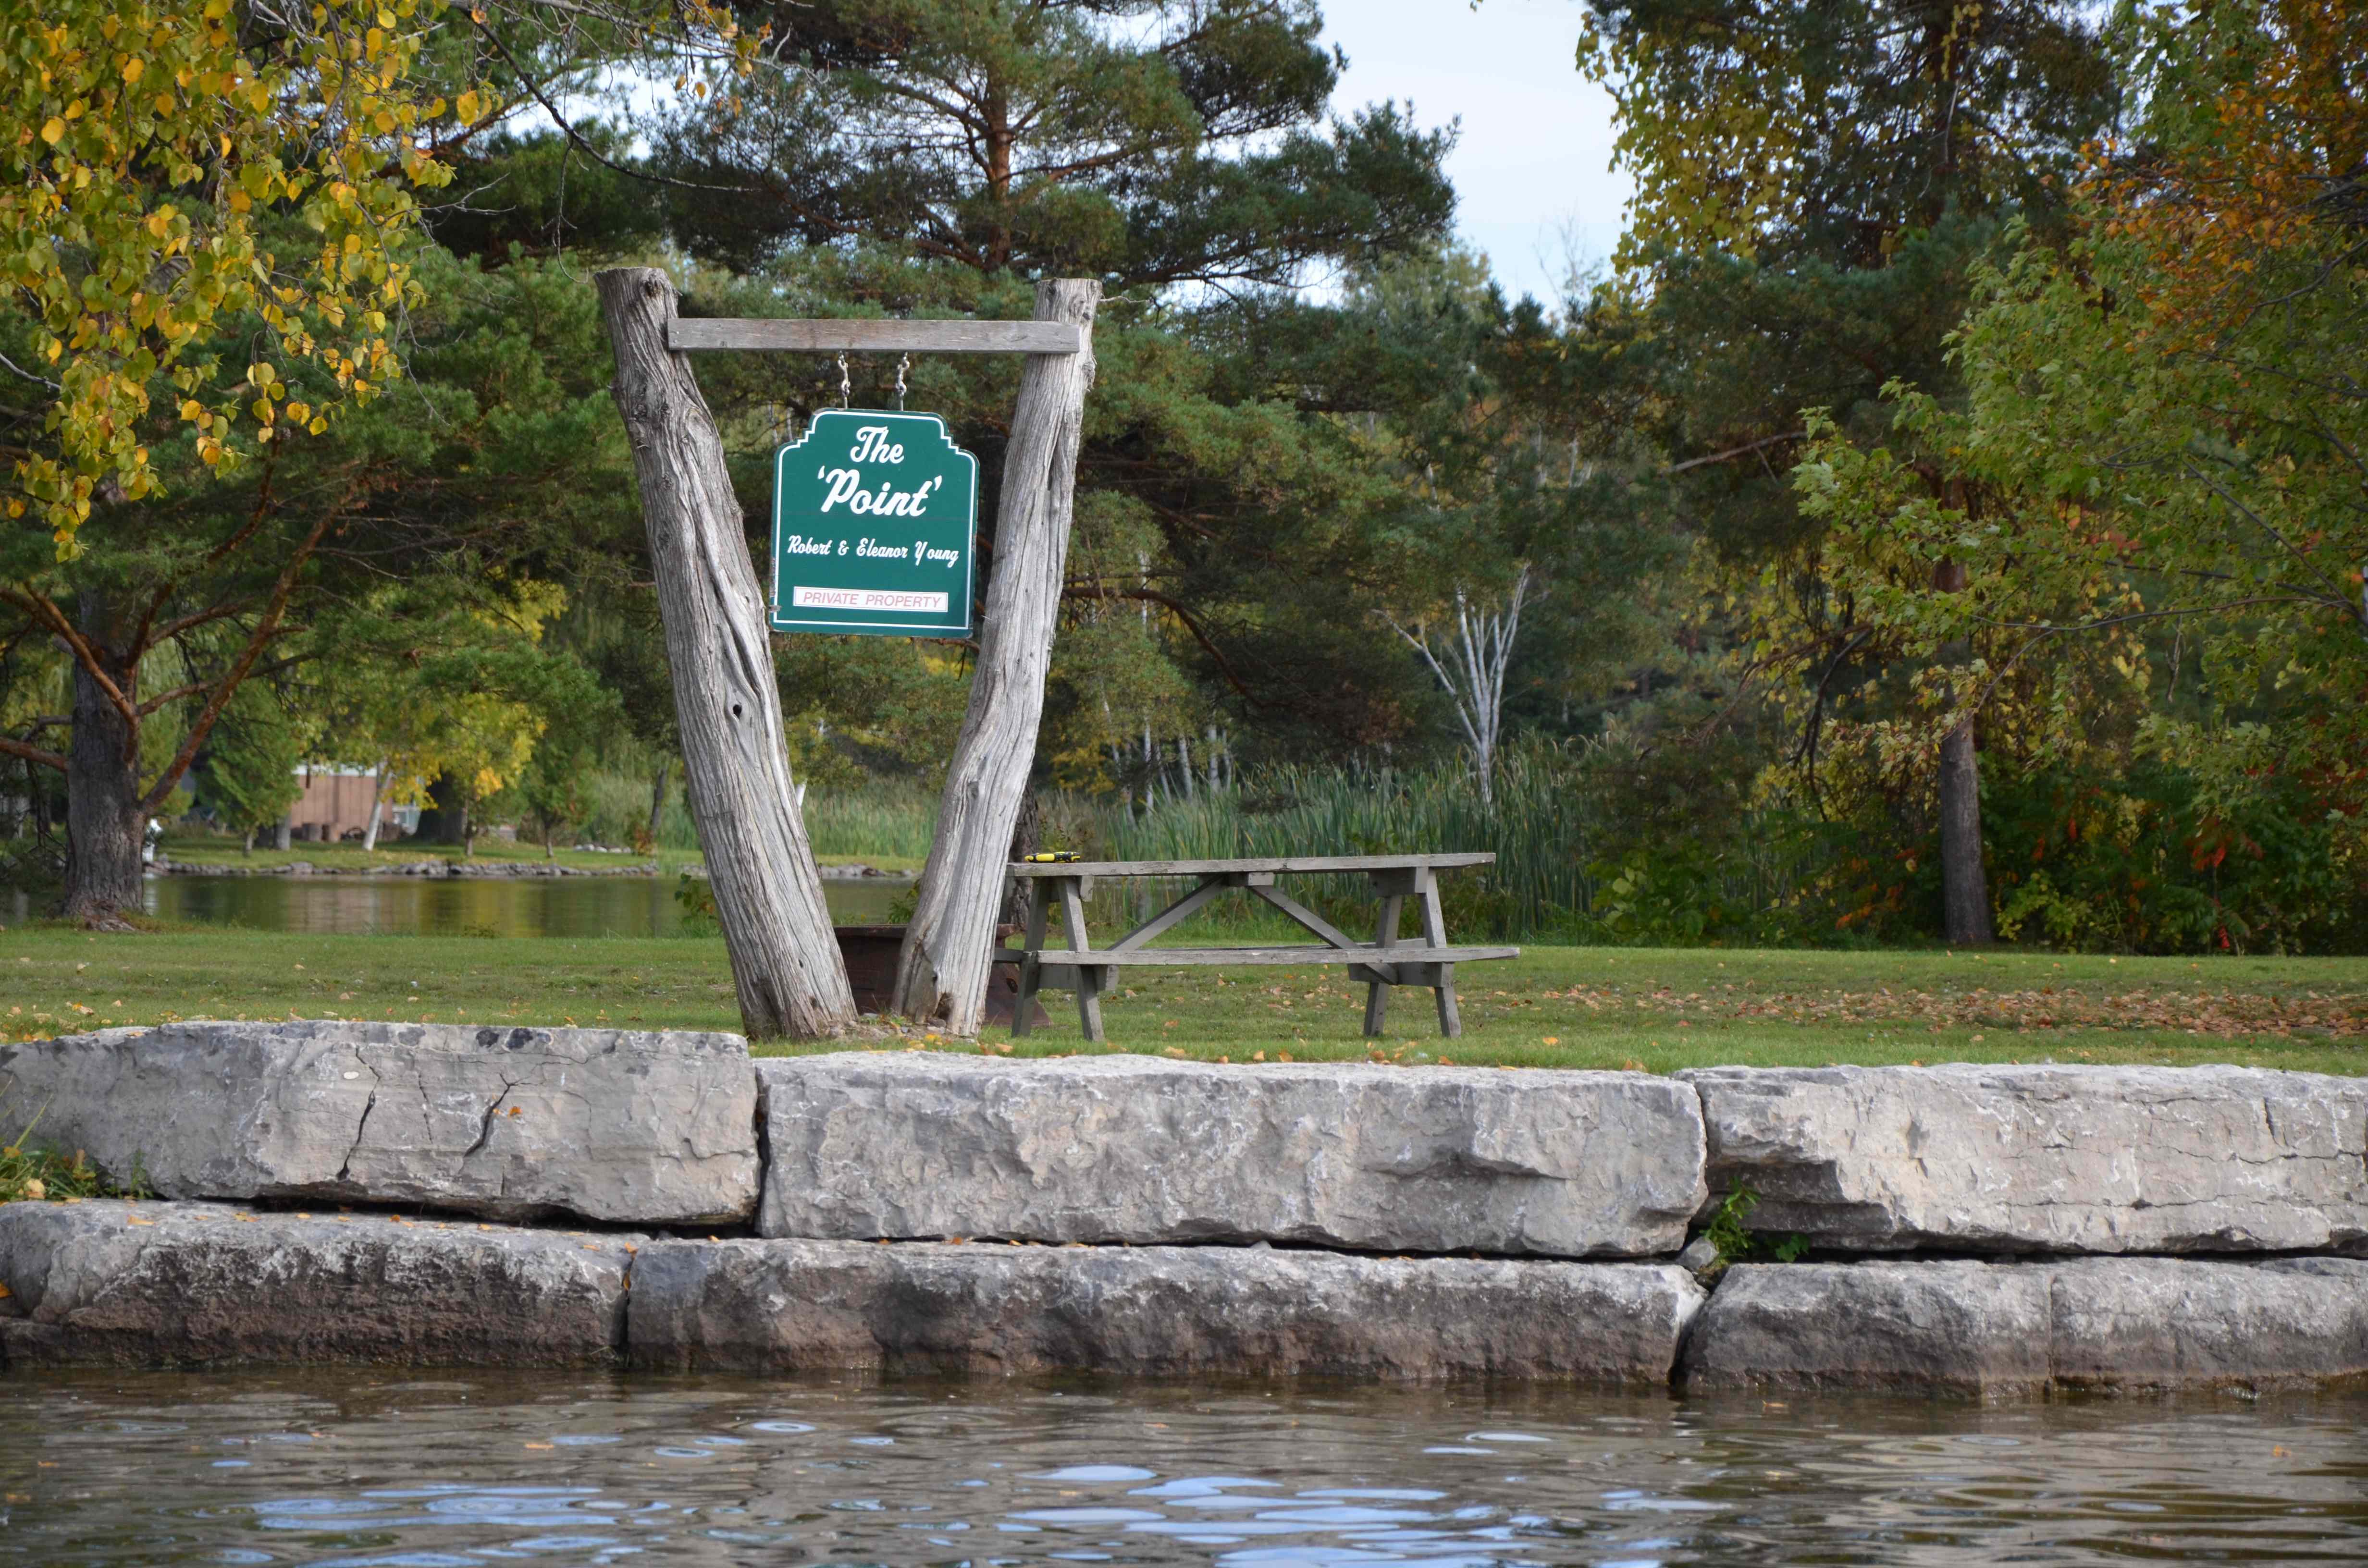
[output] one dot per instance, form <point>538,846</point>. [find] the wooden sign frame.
<point>777,929</point>
<point>858,335</point>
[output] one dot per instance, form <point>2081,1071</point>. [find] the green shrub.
<point>2135,863</point>
<point>1726,1232</point>
<point>695,896</point>
<point>1618,842</point>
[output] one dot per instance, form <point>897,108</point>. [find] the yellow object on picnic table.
<point>1052,858</point>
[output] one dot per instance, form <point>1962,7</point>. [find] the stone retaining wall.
<point>1138,1149</point>
<point>623,1126</point>
<point>1261,1219</point>
<point>2044,1159</point>
<point>184,1284</point>
<point>2109,1324</point>
<point>794,1306</point>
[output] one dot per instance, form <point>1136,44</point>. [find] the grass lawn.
<point>1642,1009</point>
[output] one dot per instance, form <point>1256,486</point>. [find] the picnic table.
<point>1380,963</point>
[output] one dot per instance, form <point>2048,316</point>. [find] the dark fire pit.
<point>870,955</point>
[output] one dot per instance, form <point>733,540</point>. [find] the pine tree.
<point>248,777</point>
<point>1142,141</point>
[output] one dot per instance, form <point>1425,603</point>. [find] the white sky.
<point>1532,165</point>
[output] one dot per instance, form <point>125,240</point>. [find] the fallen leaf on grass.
<point>2223,1015</point>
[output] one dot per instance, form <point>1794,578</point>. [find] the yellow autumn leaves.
<point>133,134</point>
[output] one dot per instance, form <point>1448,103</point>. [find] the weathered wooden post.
<point>942,974</point>
<point>785,959</point>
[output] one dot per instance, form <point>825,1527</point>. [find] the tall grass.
<point>1542,840</point>
<point>1590,846</point>
<point>617,805</point>
<point>1579,858</point>
<point>890,820</point>
<point>885,821</point>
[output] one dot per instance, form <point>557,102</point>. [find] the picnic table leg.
<point>1434,932</point>
<point>1090,976</point>
<point>1032,969</point>
<point>1090,1001</point>
<point>1377,995</point>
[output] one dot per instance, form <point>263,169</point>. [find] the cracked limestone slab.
<point>2113,1325</point>
<point>620,1126</point>
<point>2048,1159</point>
<point>184,1284</point>
<point>778,1307</point>
<point>1142,1150</point>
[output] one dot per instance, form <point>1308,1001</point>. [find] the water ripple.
<point>349,1470</point>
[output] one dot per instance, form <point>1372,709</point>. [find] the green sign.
<point>873,519</point>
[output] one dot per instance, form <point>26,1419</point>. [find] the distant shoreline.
<point>486,871</point>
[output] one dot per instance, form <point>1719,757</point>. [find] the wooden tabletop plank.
<point>854,336</point>
<point>1217,957</point>
<point>1310,863</point>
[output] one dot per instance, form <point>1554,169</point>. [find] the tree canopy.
<point>1950,499</point>
<point>1147,142</point>
<point>175,169</point>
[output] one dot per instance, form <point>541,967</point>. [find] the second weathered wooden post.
<point>942,971</point>
<point>785,959</point>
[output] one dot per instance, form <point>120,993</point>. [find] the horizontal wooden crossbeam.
<point>1305,863</point>
<point>866,336</point>
<point>1160,958</point>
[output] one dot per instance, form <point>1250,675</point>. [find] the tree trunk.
<point>441,821</point>
<point>941,973</point>
<point>104,820</point>
<point>769,895</point>
<point>378,808</point>
<point>1965,888</point>
<point>658,801</point>
<point>283,832</point>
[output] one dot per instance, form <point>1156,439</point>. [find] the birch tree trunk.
<point>941,973</point>
<point>769,897</point>
<point>1474,672</point>
<point>378,807</point>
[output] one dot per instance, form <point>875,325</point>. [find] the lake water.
<point>338,1469</point>
<point>455,907</point>
<point>547,906</point>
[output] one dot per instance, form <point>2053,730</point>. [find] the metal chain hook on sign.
<point>844,387</point>
<point>903,365</point>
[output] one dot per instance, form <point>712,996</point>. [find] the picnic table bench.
<point>1380,963</point>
